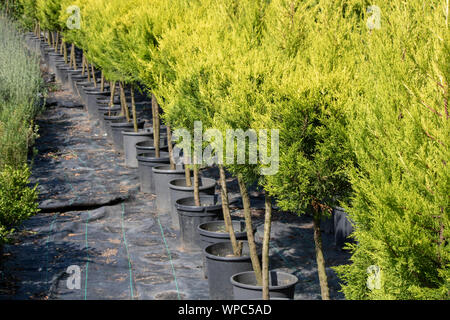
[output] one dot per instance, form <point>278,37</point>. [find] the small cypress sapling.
<point>308,76</point>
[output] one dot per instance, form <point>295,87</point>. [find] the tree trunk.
<point>56,42</point>
<point>111,100</point>
<point>65,52</point>
<point>169,143</point>
<point>325,292</point>
<point>39,30</point>
<point>83,64</point>
<point>72,54</point>
<point>265,249</point>
<point>187,174</point>
<point>123,101</point>
<point>93,76</point>
<point>237,247</point>
<point>249,226</point>
<point>196,186</point>
<point>87,69</point>
<point>102,82</point>
<point>133,109</point>
<point>61,49</point>
<point>155,113</point>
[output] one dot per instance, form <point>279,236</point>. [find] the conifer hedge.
<point>362,111</point>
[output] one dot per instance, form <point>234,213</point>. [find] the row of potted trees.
<point>206,224</point>
<point>241,66</point>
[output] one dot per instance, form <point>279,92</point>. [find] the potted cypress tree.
<point>314,153</point>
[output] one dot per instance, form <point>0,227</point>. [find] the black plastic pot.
<point>61,73</point>
<point>281,285</point>
<point>91,100</point>
<point>70,74</point>
<point>190,216</point>
<point>78,79</point>
<point>83,86</point>
<point>162,175</point>
<point>108,120</point>
<point>343,227</point>
<point>53,57</point>
<point>146,161</point>
<point>118,127</point>
<point>214,232</point>
<point>145,146</point>
<point>179,190</point>
<point>129,145</point>
<point>221,264</point>
<point>104,112</point>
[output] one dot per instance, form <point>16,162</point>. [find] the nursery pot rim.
<point>141,132</point>
<point>220,235</point>
<point>186,188</point>
<point>163,158</point>
<point>219,258</point>
<point>125,124</point>
<point>96,91</point>
<point>292,281</point>
<point>159,169</point>
<point>198,209</point>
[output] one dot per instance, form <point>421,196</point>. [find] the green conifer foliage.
<point>399,132</point>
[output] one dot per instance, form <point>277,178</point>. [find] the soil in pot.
<point>162,175</point>
<point>178,190</point>
<point>281,285</point>
<point>129,145</point>
<point>221,264</point>
<point>146,161</point>
<point>191,216</point>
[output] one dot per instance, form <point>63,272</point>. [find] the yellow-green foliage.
<point>47,12</point>
<point>399,132</point>
<point>362,114</point>
<point>72,35</point>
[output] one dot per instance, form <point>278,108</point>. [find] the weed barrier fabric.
<point>94,220</point>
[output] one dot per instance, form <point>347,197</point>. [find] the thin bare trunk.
<point>74,60</point>
<point>56,42</point>
<point>169,143</point>
<point>102,82</point>
<point>187,174</point>
<point>123,100</point>
<point>83,64</point>
<point>249,226</point>
<point>133,109</point>
<point>265,248</point>
<point>65,52</point>
<point>61,49</point>
<point>155,113</point>
<point>196,186</point>
<point>87,69</point>
<point>111,100</point>
<point>93,76</point>
<point>39,30</point>
<point>237,247</point>
<point>319,256</point>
